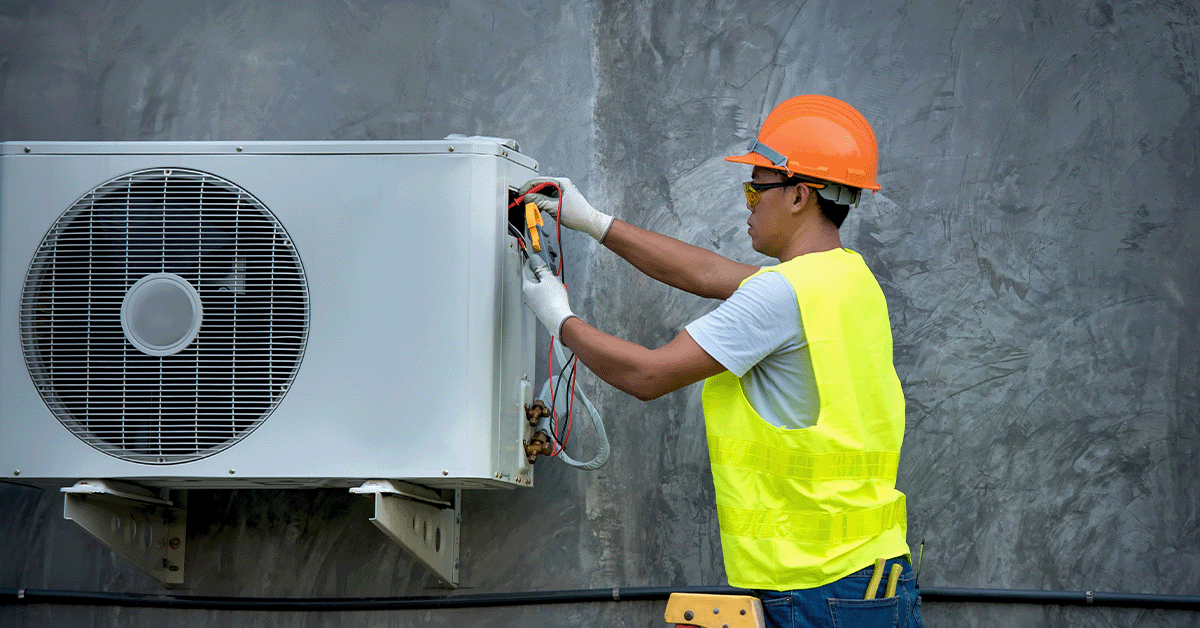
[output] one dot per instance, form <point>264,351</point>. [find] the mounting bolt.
<point>231,472</point>
<point>27,149</point>
<point>445,473</point>
<point>239,149</point>
<point>452,149</point>
<point>16,472</point>
<point>174,543</point>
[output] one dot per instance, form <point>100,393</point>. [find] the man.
<point>803,410</point>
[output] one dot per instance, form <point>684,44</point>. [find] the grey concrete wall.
<point>1036,236</point>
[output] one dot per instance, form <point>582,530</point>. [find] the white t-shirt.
<point>758,336</point>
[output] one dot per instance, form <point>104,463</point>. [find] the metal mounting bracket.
<point>417,518</point>
<point>132,521</point>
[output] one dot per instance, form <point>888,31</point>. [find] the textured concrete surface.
<point>1036,236</point>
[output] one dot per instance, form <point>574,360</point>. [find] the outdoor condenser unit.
<point>262,315</point>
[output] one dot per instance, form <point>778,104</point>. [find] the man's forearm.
<point>631,368</point>
<point>677,263</point>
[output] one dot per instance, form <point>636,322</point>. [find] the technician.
<point>803,410</point>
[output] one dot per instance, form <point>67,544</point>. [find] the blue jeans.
<point>840,604</point>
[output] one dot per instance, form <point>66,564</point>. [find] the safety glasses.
<point>754,190</point>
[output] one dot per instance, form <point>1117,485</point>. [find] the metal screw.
<point>16,472</point>
<point>27,149</point>
<point>239,149</point>
<point>445,473</point>
<point>452,149</point>
<point>688,615</point>
<point>174,543</point>
<point>231,472</point>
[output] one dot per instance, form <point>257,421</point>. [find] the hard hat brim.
<point>753,159</point>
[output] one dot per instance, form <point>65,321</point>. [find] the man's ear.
<point>803,194</point>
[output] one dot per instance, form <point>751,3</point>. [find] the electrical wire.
<point>565,435</point>
<point>561,397</point>
<point>560,441</point>
<point>564,384</point>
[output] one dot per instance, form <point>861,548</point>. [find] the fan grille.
<point>205,396</point>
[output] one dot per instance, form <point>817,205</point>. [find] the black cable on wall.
<point>9,596</point>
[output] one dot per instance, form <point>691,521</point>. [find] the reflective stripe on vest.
<point>802,464</point>
<point>799,508</point>
<point>815,527</point>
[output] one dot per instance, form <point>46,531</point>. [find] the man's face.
<point>767,225</point>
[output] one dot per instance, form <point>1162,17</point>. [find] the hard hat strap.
<point>772,155</point>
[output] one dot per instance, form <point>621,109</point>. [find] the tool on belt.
<point>877,575</point>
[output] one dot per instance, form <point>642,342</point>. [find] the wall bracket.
<point>421,521</point>
<point>144,529</point>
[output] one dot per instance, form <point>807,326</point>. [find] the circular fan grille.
<point>175,254</point>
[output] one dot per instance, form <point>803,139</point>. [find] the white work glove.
<point>544,294</point>
<point>577,213</point>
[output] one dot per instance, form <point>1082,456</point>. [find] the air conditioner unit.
<point>263,314</point>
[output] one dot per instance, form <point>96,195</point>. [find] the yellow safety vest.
<point>800,508</point>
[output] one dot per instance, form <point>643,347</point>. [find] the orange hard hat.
<point>818,137</point>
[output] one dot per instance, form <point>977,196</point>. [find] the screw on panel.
<point>27,149</point>
<point>239,149</point>
<point>445,473</point>
<point>16,472</point>
<point>452,149</point>
<point>231,472</point>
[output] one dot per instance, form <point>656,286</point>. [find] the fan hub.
<point>161,314</point>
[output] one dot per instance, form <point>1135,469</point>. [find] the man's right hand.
<point>576,214</point>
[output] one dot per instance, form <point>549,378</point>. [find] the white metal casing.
<point>417,344</point>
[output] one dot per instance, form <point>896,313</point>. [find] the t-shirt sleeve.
<point>759,319</point>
